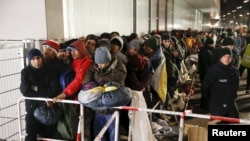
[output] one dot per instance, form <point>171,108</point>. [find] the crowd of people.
<point>150,63</point>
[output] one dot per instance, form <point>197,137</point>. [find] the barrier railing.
<point>80,132</point>
<point>186,113</point>
<point>115,116</point>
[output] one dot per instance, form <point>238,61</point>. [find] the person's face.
<point>147,51</point>
<point>36,62</point>
<point>114,48</point>
<point>48,53</point>
<point>132,51</point>
<point>63,55</point>
<point>102,66</point>
<point>226,59</point>
<point>91,46</point>
<point>75,54</point>
<point>166,43</point>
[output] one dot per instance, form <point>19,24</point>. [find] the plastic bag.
<point>139,122</point>
<point>48,115</point>
<point>245,61</point>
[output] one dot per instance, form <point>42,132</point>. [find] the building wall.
<point>65,19</point>
<point>22,19</point>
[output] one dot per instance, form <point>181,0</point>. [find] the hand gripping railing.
<point>80,133</point>
<point>187,113</point>
<point>115,116</point>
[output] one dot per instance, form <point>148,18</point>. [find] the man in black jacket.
<point>37,81</point>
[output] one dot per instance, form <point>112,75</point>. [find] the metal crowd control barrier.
<point>185,114</point>
<point>115,116</point>
<point>80,129</point>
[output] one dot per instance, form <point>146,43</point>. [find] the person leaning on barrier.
<point>80,65</point>
<point>37,80</point>
<point>220,86</point>
<point>107,68</point>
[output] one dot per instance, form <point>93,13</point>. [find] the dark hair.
<point>166,36</point>
<point>106,35</point>
<point>114,32</point>
<point>67,43</point>
<point>116,42</point>
<point>105,43</point>
<point>133,36</point>
<point>92,37</point>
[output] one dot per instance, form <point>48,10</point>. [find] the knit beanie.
<point>134,44</point>
<point>102,55</point>
<point>223,51</point>
<point>54,45</point>
<point>209,41</point>
<point>136,60</point>
<point>227,41</point>
<point>34,52</point>
<point>151,43</point>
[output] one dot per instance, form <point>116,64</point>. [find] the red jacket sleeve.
<point>80,67</point>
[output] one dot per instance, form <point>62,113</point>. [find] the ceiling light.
<point>239,7</point>
<point>245,1</point>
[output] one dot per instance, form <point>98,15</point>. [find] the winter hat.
<point>223,51</point>
<point>134,44</point>
<point>79,46</point>
<point>54,45</point>
<point>151,42</point>
<point>136,61</point>
<point>227,41</point>
<point>34,52</point>
<point>102,55</point>
<point>209,41</point>
<point>117,40</point>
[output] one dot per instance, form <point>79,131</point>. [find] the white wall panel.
<point>142,16</point>
<point>182,16</point>
<point>162,15</point>
<point>22,19</point>
<point>153,14</point>
<point>82,17</point>
<point>170,11</point>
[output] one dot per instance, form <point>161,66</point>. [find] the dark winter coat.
<point>205,60</point>
<point>220,84</point>
<point>47,83</point>
<point>115,72</point>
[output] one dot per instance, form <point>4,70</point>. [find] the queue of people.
<point>150,63</point>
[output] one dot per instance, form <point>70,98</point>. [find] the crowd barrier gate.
<point>187,113</point>
<point>80,129</point>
